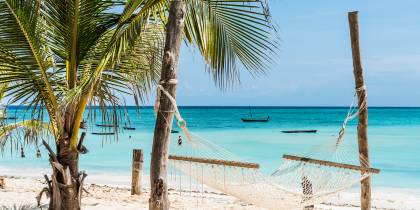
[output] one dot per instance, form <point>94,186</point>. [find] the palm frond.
<point>22,54</point>
<point>75,26</point>
<point>31,130</point>
<point>230,32</point>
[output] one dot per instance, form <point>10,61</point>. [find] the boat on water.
<point>299,131</point>
<point>266,119</point>
<point>103,133</point>
<point>174,131</point>
<point>107,125</point>
<point>255,119</point>
<point>129,128</point>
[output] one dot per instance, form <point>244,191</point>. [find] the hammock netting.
<point>294,185</point>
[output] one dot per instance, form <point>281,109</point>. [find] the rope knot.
<point>181,123</point>
<point>361,88</point>
<point>170,81</point>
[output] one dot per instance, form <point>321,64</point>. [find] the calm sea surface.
<point>394,139</point>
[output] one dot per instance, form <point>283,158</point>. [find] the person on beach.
<point>22,153</point>
<point>38,153</point>
<point>179,141</point>
<point>307,192</point>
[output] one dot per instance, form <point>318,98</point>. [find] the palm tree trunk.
<point>65,187</point>
<point>69,158</point>
<point>66,181</point>
<point>174,30</point>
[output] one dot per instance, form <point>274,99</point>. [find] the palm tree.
<point>225,32</point>
<point>59,56</point>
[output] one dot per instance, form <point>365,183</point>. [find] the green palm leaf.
<point>229,31</point>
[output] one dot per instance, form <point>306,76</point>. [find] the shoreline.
<point>22,190</point>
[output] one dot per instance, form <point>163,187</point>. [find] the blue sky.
<point>314,67</point>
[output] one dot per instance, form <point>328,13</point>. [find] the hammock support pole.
<point>331,164</point>
<point>215,161</point>
<point>365,195</point>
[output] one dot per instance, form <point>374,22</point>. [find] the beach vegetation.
<point>59,57</point>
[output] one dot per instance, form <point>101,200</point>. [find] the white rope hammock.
<point>294,185</point>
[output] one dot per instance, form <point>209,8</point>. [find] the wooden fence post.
<point>2,183</point>
<point>136,172</point>
<point>365,193</point>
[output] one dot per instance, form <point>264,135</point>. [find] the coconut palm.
<point>58,57</point>
<point>226,32</point>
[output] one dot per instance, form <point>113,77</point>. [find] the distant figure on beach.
<point>129,137</point>
<point>179,141</point>
<point>307,192</point>
<point>22,153</point>
<point>38,153</point>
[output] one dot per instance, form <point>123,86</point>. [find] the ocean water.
<point>394,140</point>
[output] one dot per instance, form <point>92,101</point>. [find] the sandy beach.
<point>23,190</point>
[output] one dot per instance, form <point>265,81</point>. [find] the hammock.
<point>299,182</point>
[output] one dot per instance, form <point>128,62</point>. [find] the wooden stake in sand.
<point>136,172</point>
<point>365,196</point>
<point>2,183</point>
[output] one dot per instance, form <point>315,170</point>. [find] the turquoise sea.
<point>394,139</point>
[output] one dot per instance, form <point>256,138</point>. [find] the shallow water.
<point>394,140</point>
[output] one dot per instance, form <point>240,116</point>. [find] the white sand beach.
<point>23,190</point>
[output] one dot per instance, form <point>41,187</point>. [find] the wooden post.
<point>136,172</point>
<point>365,196</point>
<point>2,183</point>
<point>160,149</point>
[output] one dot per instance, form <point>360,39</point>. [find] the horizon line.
<point>248,106</point>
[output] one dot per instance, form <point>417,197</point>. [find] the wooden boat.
<point>106,125</point>
<point>255,119</point>
<point>103,133</point>
<point>128,128</point>
<point>299,131</point>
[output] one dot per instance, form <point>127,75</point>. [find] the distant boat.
<point>255,119</point>
<point>107,125</point>
<point>103,133</point>
<point>128,128</point>
<point>174,131</point>
<point>299,131</point>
